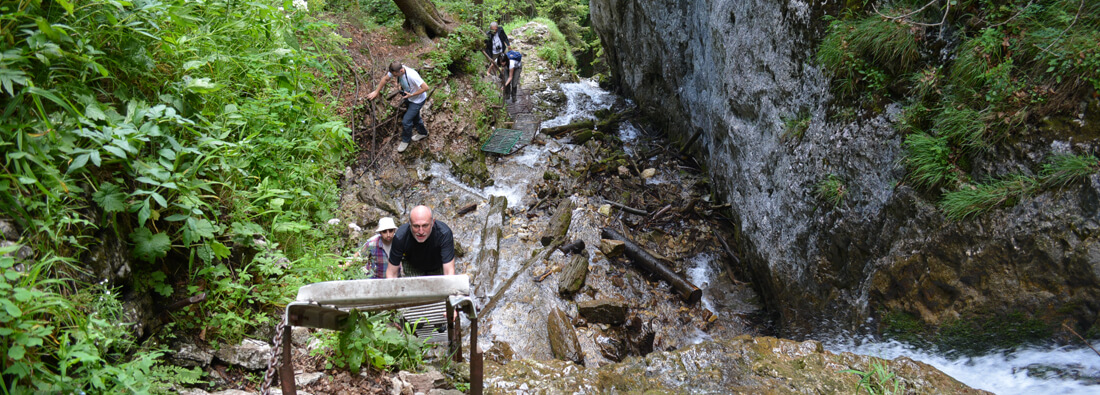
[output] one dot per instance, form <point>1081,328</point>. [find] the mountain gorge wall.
<point>736,70</point>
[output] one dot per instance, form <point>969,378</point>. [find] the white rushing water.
<point>1038,370</point>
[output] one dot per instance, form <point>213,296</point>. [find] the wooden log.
<point>466,210</point>
<point>484,271</point>
<point>484,313</point>
<point>688,291</point>
<point>559,224</point>
<point>573,248</point>
<point>573,276</point>
<point>687,146</point>
<point>563,129</point>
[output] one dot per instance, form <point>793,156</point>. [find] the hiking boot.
<point>401,147</point>
<point>419,137</point>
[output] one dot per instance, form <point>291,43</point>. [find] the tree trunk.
<point>423,19</point>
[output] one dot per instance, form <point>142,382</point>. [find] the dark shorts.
<point>412,272</point>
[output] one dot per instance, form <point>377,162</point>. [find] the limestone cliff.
<point>735,70</point>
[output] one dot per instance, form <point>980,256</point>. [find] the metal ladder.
<point>430,300</point>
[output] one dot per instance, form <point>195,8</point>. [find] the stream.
<point>516,327</point>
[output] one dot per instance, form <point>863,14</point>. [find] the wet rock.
<point>605,311</point>
<point>423,382</point>
<point>305,379</point>
<point>563,339</point>
<point>573,276</point>
<point>744,365</point>
<point>137,311</point>
<point>500,353</point>
<point>191,391</point>
<point>612,248</point>
<point>110,260</point>
<point>370,195</point>
<point>637,336</point>
<point>250,354</point>
<point>8,231</point>
<point>559,224</point>
<point>191,355</point>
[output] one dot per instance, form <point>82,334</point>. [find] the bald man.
<point>426,246</point>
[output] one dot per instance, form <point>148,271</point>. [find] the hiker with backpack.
<point>496,43</point>
<point>414,91</point>
<point>512,61</point>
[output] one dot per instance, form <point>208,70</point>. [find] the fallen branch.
<point>467,209</point>
<point>688,291</point>
<point>626,208</point>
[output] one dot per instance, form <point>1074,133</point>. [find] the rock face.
<point>744,365</point>
<point>734,70</point>
<point>250,354</point>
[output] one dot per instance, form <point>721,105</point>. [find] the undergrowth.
<point>1008,65</point>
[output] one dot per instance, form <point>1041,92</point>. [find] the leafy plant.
<point>375,339</point>
<point>878,381</point>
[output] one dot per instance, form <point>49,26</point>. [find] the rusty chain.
<point>273,362</point>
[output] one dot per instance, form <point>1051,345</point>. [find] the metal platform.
<point>429,303</point>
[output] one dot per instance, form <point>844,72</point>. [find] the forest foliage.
<point>200,137</point>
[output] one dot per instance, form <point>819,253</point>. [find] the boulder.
<point>250,354</point>
<point>605,311</point>
<point>301,336</point>
<point>109,260</point>
<point>423,382</point>
<point>191,355</point>
<point>573,276</point>
<point>612,248</point>
<point>563,338</point>
<point>371,196</point>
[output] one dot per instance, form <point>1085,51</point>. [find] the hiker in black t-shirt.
<point>426,245</point>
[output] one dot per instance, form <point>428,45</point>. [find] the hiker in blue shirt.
<point>414,91</point>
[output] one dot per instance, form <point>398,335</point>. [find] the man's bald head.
<point>420,220</point>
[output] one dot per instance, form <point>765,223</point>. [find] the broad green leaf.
<point>8,77</point>
<point>78,163</point>
<point>23,294</point>
<point>11,308</point>
<point>220,250</point>
<point>202,85</point>
<point>203,228</point>
<point>144,212</point>
<point>16,352</point>
<point>149,246</point>
<point>115,150</point>
<point>95,158</point>
<point>69,6</point>
<point>246,229</point>
<point>92,111</point>
<point>177,217</point>
<point>110,198</point>
<point>293,227</point>
<point>147,180</point>
<point>160,200</point>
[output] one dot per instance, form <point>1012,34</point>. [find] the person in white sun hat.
<point>376,251</point>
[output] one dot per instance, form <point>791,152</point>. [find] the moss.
<point>981,334</point>
<point>470,167</point>
<point>903,327</point>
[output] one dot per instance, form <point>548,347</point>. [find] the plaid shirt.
<point>373,246</point>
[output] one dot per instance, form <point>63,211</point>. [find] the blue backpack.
<point>514,55</point>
